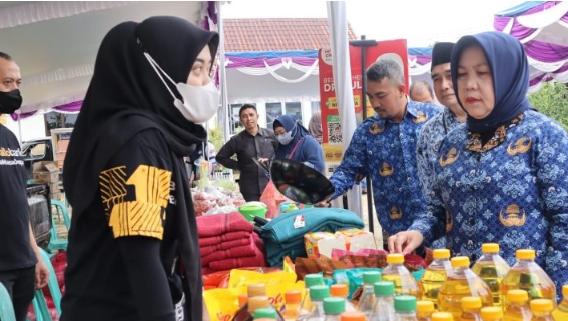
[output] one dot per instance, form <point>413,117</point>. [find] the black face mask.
<point>10,101</point>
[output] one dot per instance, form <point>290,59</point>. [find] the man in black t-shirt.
<point>21,268</point>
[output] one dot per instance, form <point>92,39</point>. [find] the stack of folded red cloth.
<point>227,241</point>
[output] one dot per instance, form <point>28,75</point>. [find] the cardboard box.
<point>46,172</point>
<point>357,239</point>
<point>322,243</point>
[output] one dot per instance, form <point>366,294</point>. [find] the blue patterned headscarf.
<point>509,70</point>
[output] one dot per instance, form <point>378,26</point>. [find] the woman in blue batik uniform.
<point>503,176</point>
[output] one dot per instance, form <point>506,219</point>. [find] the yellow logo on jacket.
<point>513,216</point>
<point>420,118</point>
<point>376,129</point>
<point>395,213</point>
<point>521,146</point>
<point>386,170</point>
<point>450,157</point>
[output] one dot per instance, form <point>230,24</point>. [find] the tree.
<point>552,100</point>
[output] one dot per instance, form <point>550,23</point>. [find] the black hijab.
<point>126,96</point>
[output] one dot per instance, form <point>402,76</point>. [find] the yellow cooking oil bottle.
<point>527,275</point>
<point>492,268</point>
<point>516,306</point>
<point>435,276</point>
<point>396,272</point>
<point>462,282</point>
<point>471,308</point>
<point>561,312</point>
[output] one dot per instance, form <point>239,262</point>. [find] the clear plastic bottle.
<point>492,268</point>
<point>384,308</point>
<point>317,294</point>
<point>424,310</point>
<point>561,312</point>
<point>542,310</point>
<point>405,307</point>
<point>341,290</point>
<point>292,310</point>
<point>435,276</point>
<point>462,282</point>
<point>516,306</point>
<point>404,282</point>
<point>333,308</point>
<point>492,314</point>
<point>310,280</point>
<point>353,316</point>
<point>442,316</point>
<point>367,300</point>
<point>527,275</point>
<point>471,306</point>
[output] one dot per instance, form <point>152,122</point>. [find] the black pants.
<point>21,287</point>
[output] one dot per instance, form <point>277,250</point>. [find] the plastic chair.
<point>56,243</point>
<point>40,305</point>
<point>6,306</point>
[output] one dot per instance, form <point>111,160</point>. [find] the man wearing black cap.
<point>439,126</point>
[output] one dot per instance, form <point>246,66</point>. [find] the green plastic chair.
<point>6,306</point>
<point>39,303</point>
<point>56,243</point>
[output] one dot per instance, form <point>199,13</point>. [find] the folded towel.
<point>214,225</point>
<point>235,263</point>
<point>208,249</point>
<point>214,240</point>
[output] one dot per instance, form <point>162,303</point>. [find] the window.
<point>294,109</point>
<point>55,120</point>
<point>273,110</point>
<point>316,107</point>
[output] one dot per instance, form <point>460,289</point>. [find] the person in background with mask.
<point>133,252</point>
<point>21,267</point>
<point>252,143</point>
<point>296,143</point>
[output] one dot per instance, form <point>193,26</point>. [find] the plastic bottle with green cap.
<point>309,281</point>
<point>542,310</point>
<point>265,313</point>
<point>435,276</point>
<point>516,306</point>
<point>384,309</point>
<point>462,282</point>
<point>333,308</point>
<point>442,316</point>
<point>404,282</point>
<point>527,275</point>
<point>561,312</point>
<point>492,268</point>
<point>405,308</point>
<point>317,294</point>
<point>471,307</point>
<point>367,300</point>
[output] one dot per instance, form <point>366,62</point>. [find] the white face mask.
<point>199,102</point>
<point>285,139</point>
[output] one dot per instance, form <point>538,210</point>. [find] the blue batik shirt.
<point>513,191</point>
<point>429,141</point>
<point>386,151</point>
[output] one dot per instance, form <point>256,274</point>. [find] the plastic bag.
<point>221,304</point>
<point>277,283</point>
<point>272,198</point>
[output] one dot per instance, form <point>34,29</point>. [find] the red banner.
<point>331,124</point>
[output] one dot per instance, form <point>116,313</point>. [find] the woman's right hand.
<point>405,242</point>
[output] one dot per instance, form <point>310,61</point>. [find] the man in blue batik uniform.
<point>384,147</point>
<point>439,126</point>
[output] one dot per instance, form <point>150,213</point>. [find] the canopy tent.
<point>55,43</point>
<point>542,27</point>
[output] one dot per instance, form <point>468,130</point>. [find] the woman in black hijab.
<point>133,252</point>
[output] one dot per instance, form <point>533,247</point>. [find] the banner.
<point>331,122</point>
